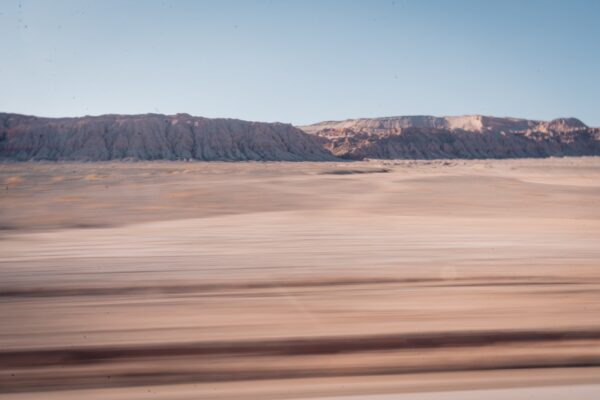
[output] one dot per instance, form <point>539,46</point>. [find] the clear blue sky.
<point>301,61</point>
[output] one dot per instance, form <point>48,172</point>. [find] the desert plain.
<point>271,280</point>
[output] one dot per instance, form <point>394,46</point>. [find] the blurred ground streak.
<point>270,280</point>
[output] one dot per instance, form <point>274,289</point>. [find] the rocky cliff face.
<point>426,137</point>
<point>154,136</point>
<point>181,136</point>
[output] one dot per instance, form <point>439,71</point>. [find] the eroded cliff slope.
<point>471,136</point>
<point>154,136</point>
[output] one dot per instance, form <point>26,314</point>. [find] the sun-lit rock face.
<point>154,136</point>
<point>181,136</point>
<point>471,123</point>
<point>471,136</point>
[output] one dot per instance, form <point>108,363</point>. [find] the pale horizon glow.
<point>301,62</point>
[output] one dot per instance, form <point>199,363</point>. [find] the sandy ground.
<point>300,280</point>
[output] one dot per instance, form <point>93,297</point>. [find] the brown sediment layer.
<point>293,359</point>
<point>67,291</point>
<point>288,347</point>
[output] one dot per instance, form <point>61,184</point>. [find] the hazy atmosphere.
<point>301,61</point>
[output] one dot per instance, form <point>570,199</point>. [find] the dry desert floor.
<point>359,280</point>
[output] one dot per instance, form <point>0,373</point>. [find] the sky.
<point>301,61</point>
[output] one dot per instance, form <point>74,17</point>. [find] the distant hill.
<point>181,136</point>
<point>153,137</point>
<point>471,136</point>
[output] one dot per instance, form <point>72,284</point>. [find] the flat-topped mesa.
<point>471,123</point>
<point>154,136</point>
<point>182,136</point>
<point>469,136</point>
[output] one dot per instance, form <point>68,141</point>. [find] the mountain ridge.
<point>182,137</point>
<point>154,136</point>
<point>469,122</point>
<point>467,136</point>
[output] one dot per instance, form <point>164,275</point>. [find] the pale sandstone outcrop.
<point>181,136</point>
<point>473,136</point>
